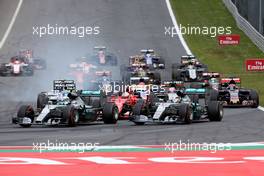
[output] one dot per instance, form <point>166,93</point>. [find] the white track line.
<point>11,23</point>
<point>174,21</point>
<point>261,108</point>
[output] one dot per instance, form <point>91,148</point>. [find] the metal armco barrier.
<point>245,26</point>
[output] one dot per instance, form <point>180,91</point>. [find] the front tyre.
<point>71,115</point>
<point>215,111</point>
<point>110,113</point>
<point>42,100</point>
<point>26,111</point>
<point>185,113</point>
<point>255,97</point>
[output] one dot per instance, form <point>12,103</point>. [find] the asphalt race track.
<point>125,27</point>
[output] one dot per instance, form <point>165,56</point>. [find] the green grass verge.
<point>228,60</point>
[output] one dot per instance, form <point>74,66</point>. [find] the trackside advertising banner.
<point>254,64</point>
<point>229,39</point>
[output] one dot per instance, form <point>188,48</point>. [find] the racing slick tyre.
<point>185,113</point>
<point>205,67</point>
<point>162,62</point>
<point>30,71</point>
<point>71,115</point>
<point>43,64</point>
<point>213,95</point>
<point>176,75</point>
<point>137,109</point>
<point>152,99</point>
<point>42,100</point>
<point>113,60</point>
<point>215,111</point>
<point>26,111</point>
<point>3,70</point>
<point>176,66</point>
<point>110,113</point>
<point>156,77</point>
<point>255,97</point>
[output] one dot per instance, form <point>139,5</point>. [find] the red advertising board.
<point>229,39</point>
<point>255,64</point>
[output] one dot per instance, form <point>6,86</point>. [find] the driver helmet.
<point>232,85</point>
<point>172,90</point>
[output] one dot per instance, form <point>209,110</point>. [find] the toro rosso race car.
<point>102,57</point>
<point>147,59</point>
<point>189,70</point>
<point>176,106</point>
<point>36,62</point>
<point>18,66</point>
<point>232,94</point>
<point>65,106</point>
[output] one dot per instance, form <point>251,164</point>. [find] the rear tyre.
<point>215,111</point>
<point>71,115</point>
<point>137,109</point>
<point>26,111</point>
<point>3,70</point>
<point>157,78</point>
<point>42,100</point>
<point>213,95</point>
<point>176,75</point>
<point>43,63</point>
<point>185,113</point>
<point>205,67</point>
<point>30,71</point>
<point>255,97</point>
<point>176,66</point>
<point>110,113</point>
<point>161,61</point>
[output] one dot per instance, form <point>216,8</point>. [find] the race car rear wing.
<point>99,48</point>
<point>62,85</point>
<point>88,93</point>
<point>179,84</point>
<point>139,78</point>
<point>188,58</point>
<point>147,51</point>
<point>211,75</point>
<point>193,91</point>
<point>103,73</point>
<point>225,81</point>
<point>136,60</point>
